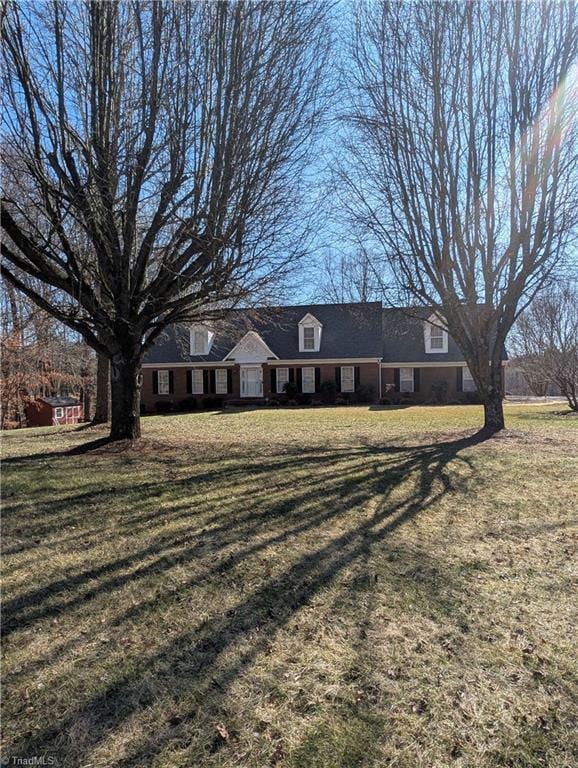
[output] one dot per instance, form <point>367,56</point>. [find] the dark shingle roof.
<point>403,338</point>
<point>395,335</point>
<point>59,402</point>
<point>349,331</point>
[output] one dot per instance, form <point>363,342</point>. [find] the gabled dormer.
<point>310,334</point>
<point>251,349</point>
<point>201,340</point>
<point>435,335</point>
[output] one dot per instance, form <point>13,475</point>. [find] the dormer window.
<point>435,336</point>
<point>201,339</point>
<point>309,338</point>
<point>309,334</point>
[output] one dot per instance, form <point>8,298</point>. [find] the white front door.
<point>251,381</point>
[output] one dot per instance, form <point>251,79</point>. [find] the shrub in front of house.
<point>290,389</point>
<point>213,403</point>
<point>328,392</point>
<point>188,404</point>
<point>439,392</point>
<point>303,398</point>
<point>163,406</point>
<point>470,398</point>
<point>365,394</point>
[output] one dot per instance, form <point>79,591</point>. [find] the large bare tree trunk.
<point>493,404</point>
<point>125,391</point>
<point>102,407</point>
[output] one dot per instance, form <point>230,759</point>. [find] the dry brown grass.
<point>307,588</point>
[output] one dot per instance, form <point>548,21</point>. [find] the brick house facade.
<point>348,352</point>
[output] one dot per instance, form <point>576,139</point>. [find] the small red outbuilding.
<point>49,411</point>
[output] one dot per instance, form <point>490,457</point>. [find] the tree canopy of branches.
<point>462,134</point>
<point>159,149</point>
<point>348,277</point>
<point>546,340</point>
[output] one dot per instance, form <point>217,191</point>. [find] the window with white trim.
<point>282,377</point>
<point>309,333</point>
<point>308,380</point>
<point>197,381</point>
<point>308,338</point>
<point>221,381</point>
<point>347,378</point>
<point>436,338</point>
<point>164,382</point>
<point>59,413</point>
<point>200,340</point>
<point>468,383</point>
<point>406,382</point>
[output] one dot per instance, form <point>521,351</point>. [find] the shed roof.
<point>59,402</point>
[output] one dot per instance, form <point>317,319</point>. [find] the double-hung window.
<point>59,413</point>
<point>308,380</point>
<point>221,381</point>
<point>468,383</point>
<point>309,338</point>
<point>199,340</point>
<point>164,383</point>
<point>347,378</point>
<point>197,381</point>
<point>406,382</point>
<point>436,338</point>
<point>282,377</point>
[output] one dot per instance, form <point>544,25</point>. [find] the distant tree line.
<point>545,342</point>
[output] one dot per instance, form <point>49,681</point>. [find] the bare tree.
<point>38,356</point>
<point>348,277</point>
<point>546,340</point>
<point>162,146</point>
<point>463,139</point>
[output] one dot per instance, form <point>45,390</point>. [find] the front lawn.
<point>306,588</point>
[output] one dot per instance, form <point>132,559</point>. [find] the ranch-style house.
<point>341,352</point>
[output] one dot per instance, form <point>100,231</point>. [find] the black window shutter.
<point>155,382</point>
<point>205,382</point>
<point>357,379</point>
<point>229,381</point>
<point>460,379</point>
<point>416,380</point>
<point>291,374</point>
<point>317,379</point>
<point>189,382</point>
<point>338,378</point>
<point>299,379</point>
<point>212,381</point>
<point>273,380</point>
<point>171,382</point>
<point>396,379</point>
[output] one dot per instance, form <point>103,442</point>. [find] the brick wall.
<point>368,377</point>
<point>427,377</point>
